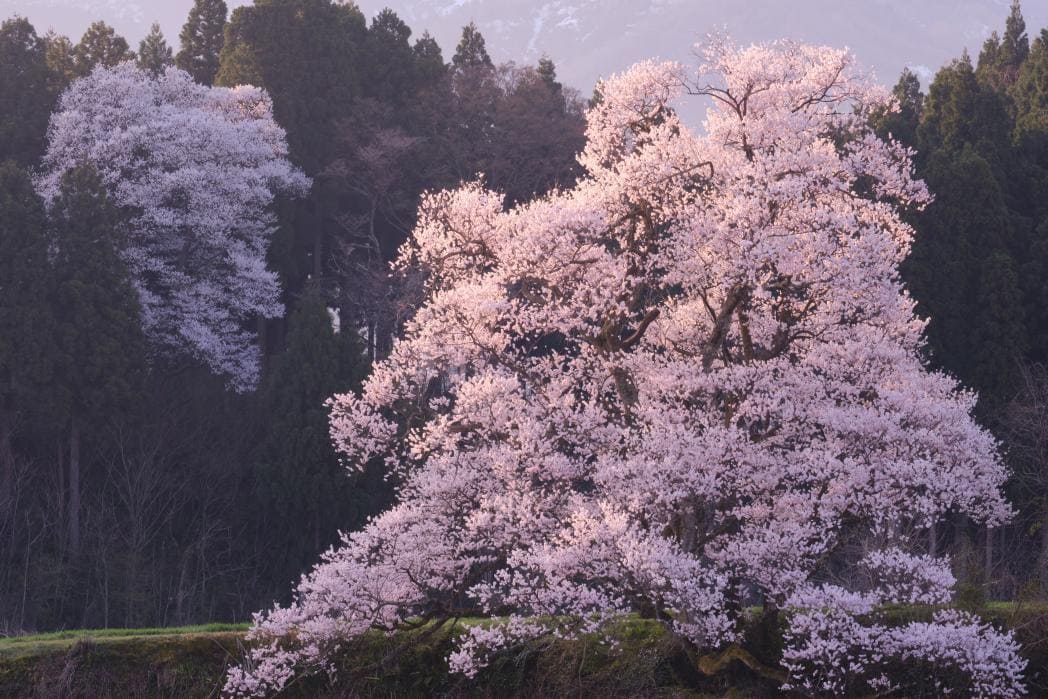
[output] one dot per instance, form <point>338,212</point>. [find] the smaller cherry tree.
<point>195,171</point>
<point>682,387</point>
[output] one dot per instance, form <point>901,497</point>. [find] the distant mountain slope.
<point>591,38</point>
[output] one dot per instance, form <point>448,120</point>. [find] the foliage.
<point>306,54</point>
<point>24,314</point>
<point>195,171</point>
<point>173,484</point>
<point>471,51</point>
<point>901,123</point>
<point>154,55</point>
<point>680,386</point>
<point>1002,57</point>
<point>202,37</point>
<point>60,55</point>
<point>100,46</point>
<point>26,97</point>
<point>301,483</point>
<point>26,322</point>
<point>99,345</point>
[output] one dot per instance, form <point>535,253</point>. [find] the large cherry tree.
<point>688,385</point>
<point>195,171</point>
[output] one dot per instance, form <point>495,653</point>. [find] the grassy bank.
<point>645,661</point>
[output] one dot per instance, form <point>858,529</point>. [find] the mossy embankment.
<point>644,660</point>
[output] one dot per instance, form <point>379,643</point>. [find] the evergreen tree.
<point>429,60</point>
<point>304,490</point>
<point>1016,44</point>
<point>902,125</point>
<point>1002,57</point>
<point>548,72</point>
<point>471,51</point>
<point>25,315</point>
<point>958,111</point>
<point>99,342</point>
<point>1034,280</point>
<point>307,55</point>
<point>998,340</point>
<point>1030,94</point>
<point>101,46</point>
<point>154,55</point>
<point>391,75</point>
<point>202,37</point>
<point>60,55</point>
<point>961,273</point>
<point>26,98</point>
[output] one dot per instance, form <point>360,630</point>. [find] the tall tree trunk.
<point>263,347</point>
<point>62,497</point>
<point>318,242</point>
<point>74,485</point>
<point>7,457</point>
<point>318,255</point>
<point>1042,559</point>
<point>989,561</point>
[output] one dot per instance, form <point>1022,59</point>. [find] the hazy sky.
<point>590,38</point>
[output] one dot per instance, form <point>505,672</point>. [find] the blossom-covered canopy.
<point>688,384</point>
<point>195,170</point>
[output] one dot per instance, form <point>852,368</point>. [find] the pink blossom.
<point>685,382</point>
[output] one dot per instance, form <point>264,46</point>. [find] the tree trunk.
<point>74,485</point>
<point>7,458</point>
<point>62,497</point>
<point>1042,559</point>
<point>263,347</point>
<point>965,552</point>
<point>989,561</point>
<point>318,243</point>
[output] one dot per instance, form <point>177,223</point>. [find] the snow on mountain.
<point>591,38</point>
<point>588,39</point>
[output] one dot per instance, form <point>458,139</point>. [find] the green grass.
<point>646,660</point>
<point>121,633</point>
<point>60,641</point>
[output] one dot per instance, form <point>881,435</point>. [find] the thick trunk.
<point>74,485</point>
<point>965,553</point>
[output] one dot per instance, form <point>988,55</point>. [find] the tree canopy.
<point>195,170</point>
<point>683,385</point>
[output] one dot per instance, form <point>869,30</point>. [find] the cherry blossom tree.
<point>685,386</point>
<point>195,171</point>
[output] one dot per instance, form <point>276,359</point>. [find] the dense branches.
<point>681,385</point>
<point>195,171</point>
<point>178,478</point>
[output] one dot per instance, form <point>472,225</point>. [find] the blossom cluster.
<point>681,386</point>
<point>195,171</point>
